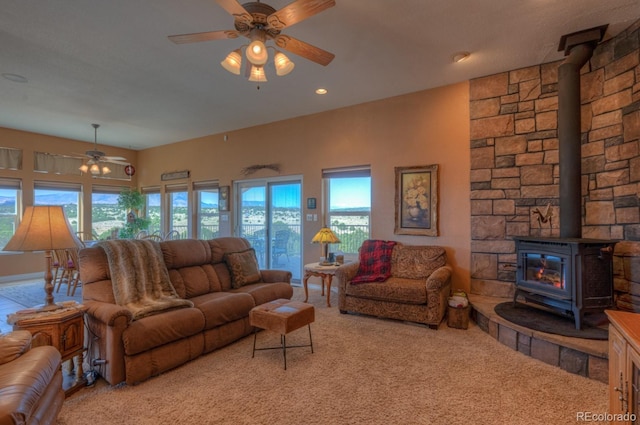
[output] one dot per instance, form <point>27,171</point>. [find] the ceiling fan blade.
<point>236,10</point>
<point>306,50</point>
<point>113,161</point>
<point>113,158</point>
<point>203,36</point>
<point>297,11</point>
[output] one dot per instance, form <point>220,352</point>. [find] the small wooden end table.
<point>63,330</point>
<point>325,273</point>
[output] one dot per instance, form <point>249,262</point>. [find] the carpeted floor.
<point>363,371</point>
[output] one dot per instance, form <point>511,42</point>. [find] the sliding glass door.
<point>269,215</point>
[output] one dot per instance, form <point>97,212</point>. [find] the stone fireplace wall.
<point>515,171</point>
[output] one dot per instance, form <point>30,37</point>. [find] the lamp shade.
<point>43,227</point>
<point>325,235</point>
<point>283,64</point>
<point>257,53</point>
<point>257,74</point>
<point>232,62</point>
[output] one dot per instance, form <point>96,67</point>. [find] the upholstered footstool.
<point>281,316</point>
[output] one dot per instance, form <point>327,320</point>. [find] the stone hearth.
<point>585,357</point>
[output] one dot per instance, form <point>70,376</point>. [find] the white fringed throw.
<point>139,277</point>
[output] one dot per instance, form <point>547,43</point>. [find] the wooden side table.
<point>63,330</point>
<point>325,273</point>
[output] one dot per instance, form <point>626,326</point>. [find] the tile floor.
<point>7,307</point>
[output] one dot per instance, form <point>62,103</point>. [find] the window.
<point>207,211</point>
<point>106,215</point>
<point>10,199</point>
<point>153,210</point>
<point>178,203</point>
<point>348,193</point>
<point>68,195</point>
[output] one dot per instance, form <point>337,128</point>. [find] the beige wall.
<point>19,264</point>
<point>428,127</point>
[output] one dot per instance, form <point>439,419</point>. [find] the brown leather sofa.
<point>135,350</point>
<point>417,290</point>
<point>30,381</point>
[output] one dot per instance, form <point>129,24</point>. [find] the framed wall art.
<point>223,198</point>
<point>416,200</point>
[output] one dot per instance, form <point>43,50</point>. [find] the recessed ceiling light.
<point>461,56</point>
<point>15,78</point>
<point>321,91</point>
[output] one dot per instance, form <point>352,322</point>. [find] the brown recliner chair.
<point>30,381</point>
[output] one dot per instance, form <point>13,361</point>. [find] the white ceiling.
<point>110,62</point>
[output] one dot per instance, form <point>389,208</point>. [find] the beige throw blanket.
<point>139,277</point>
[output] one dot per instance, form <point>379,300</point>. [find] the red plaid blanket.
<point>375,261</point>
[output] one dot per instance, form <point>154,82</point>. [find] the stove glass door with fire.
<point>546,273</point>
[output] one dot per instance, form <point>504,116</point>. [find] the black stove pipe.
<point>578,48</point>
<point>570,156</point>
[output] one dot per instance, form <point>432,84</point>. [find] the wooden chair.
<point>280,246</point>
<point>74,275</point>
<point>172,235</point>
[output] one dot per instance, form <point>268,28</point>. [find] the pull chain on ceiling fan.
<point>260,23</point>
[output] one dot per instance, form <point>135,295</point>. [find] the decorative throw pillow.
<point>375,261</point>
<point>243,267</point>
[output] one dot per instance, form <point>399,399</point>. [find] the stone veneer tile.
<point>508,337</point>
<point>524,344</point>
<point>545,351</point>
<point>498,126</point>
<point>598,369</point>
<point>573,361</point>
<point>491,86</point>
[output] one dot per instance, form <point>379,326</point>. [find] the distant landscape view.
<point>346,217</point>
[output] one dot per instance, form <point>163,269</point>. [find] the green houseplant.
<point>132,201</point>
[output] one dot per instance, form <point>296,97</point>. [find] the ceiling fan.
<point>260,22</point>
<point>96,158</point>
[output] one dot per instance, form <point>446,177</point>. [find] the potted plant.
<point>132,201</point>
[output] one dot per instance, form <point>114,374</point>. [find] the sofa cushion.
<point>159,329</point>
<point>243,266</point>
<point>220,308</point>
<point>416,262</point>
<point>375,261</point>
<point>407,291</point>
<point>265,292</point>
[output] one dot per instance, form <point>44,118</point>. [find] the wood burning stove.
<point>571,276</point>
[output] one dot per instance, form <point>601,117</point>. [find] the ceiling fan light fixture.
<point>233,62</point>
<point>283,64</point>
<point>83,168</point>
<point>257,53</point>
<point>257,74</point>
<point>105,170</point>
<point>94,169</point>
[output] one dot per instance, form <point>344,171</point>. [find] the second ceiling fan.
<point>260,22</point>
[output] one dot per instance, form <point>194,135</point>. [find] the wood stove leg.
<point>578,318</point>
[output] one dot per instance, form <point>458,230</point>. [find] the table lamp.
<point>44,228</point>
<point>325,236</point>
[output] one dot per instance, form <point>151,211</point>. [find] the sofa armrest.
<point>272,276</point>
<point>438,289</point>
<point>13,345</point>
<point>107,313</point>
<point>440,278</point>
<point>106,323</point>
<point>346,272</point>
